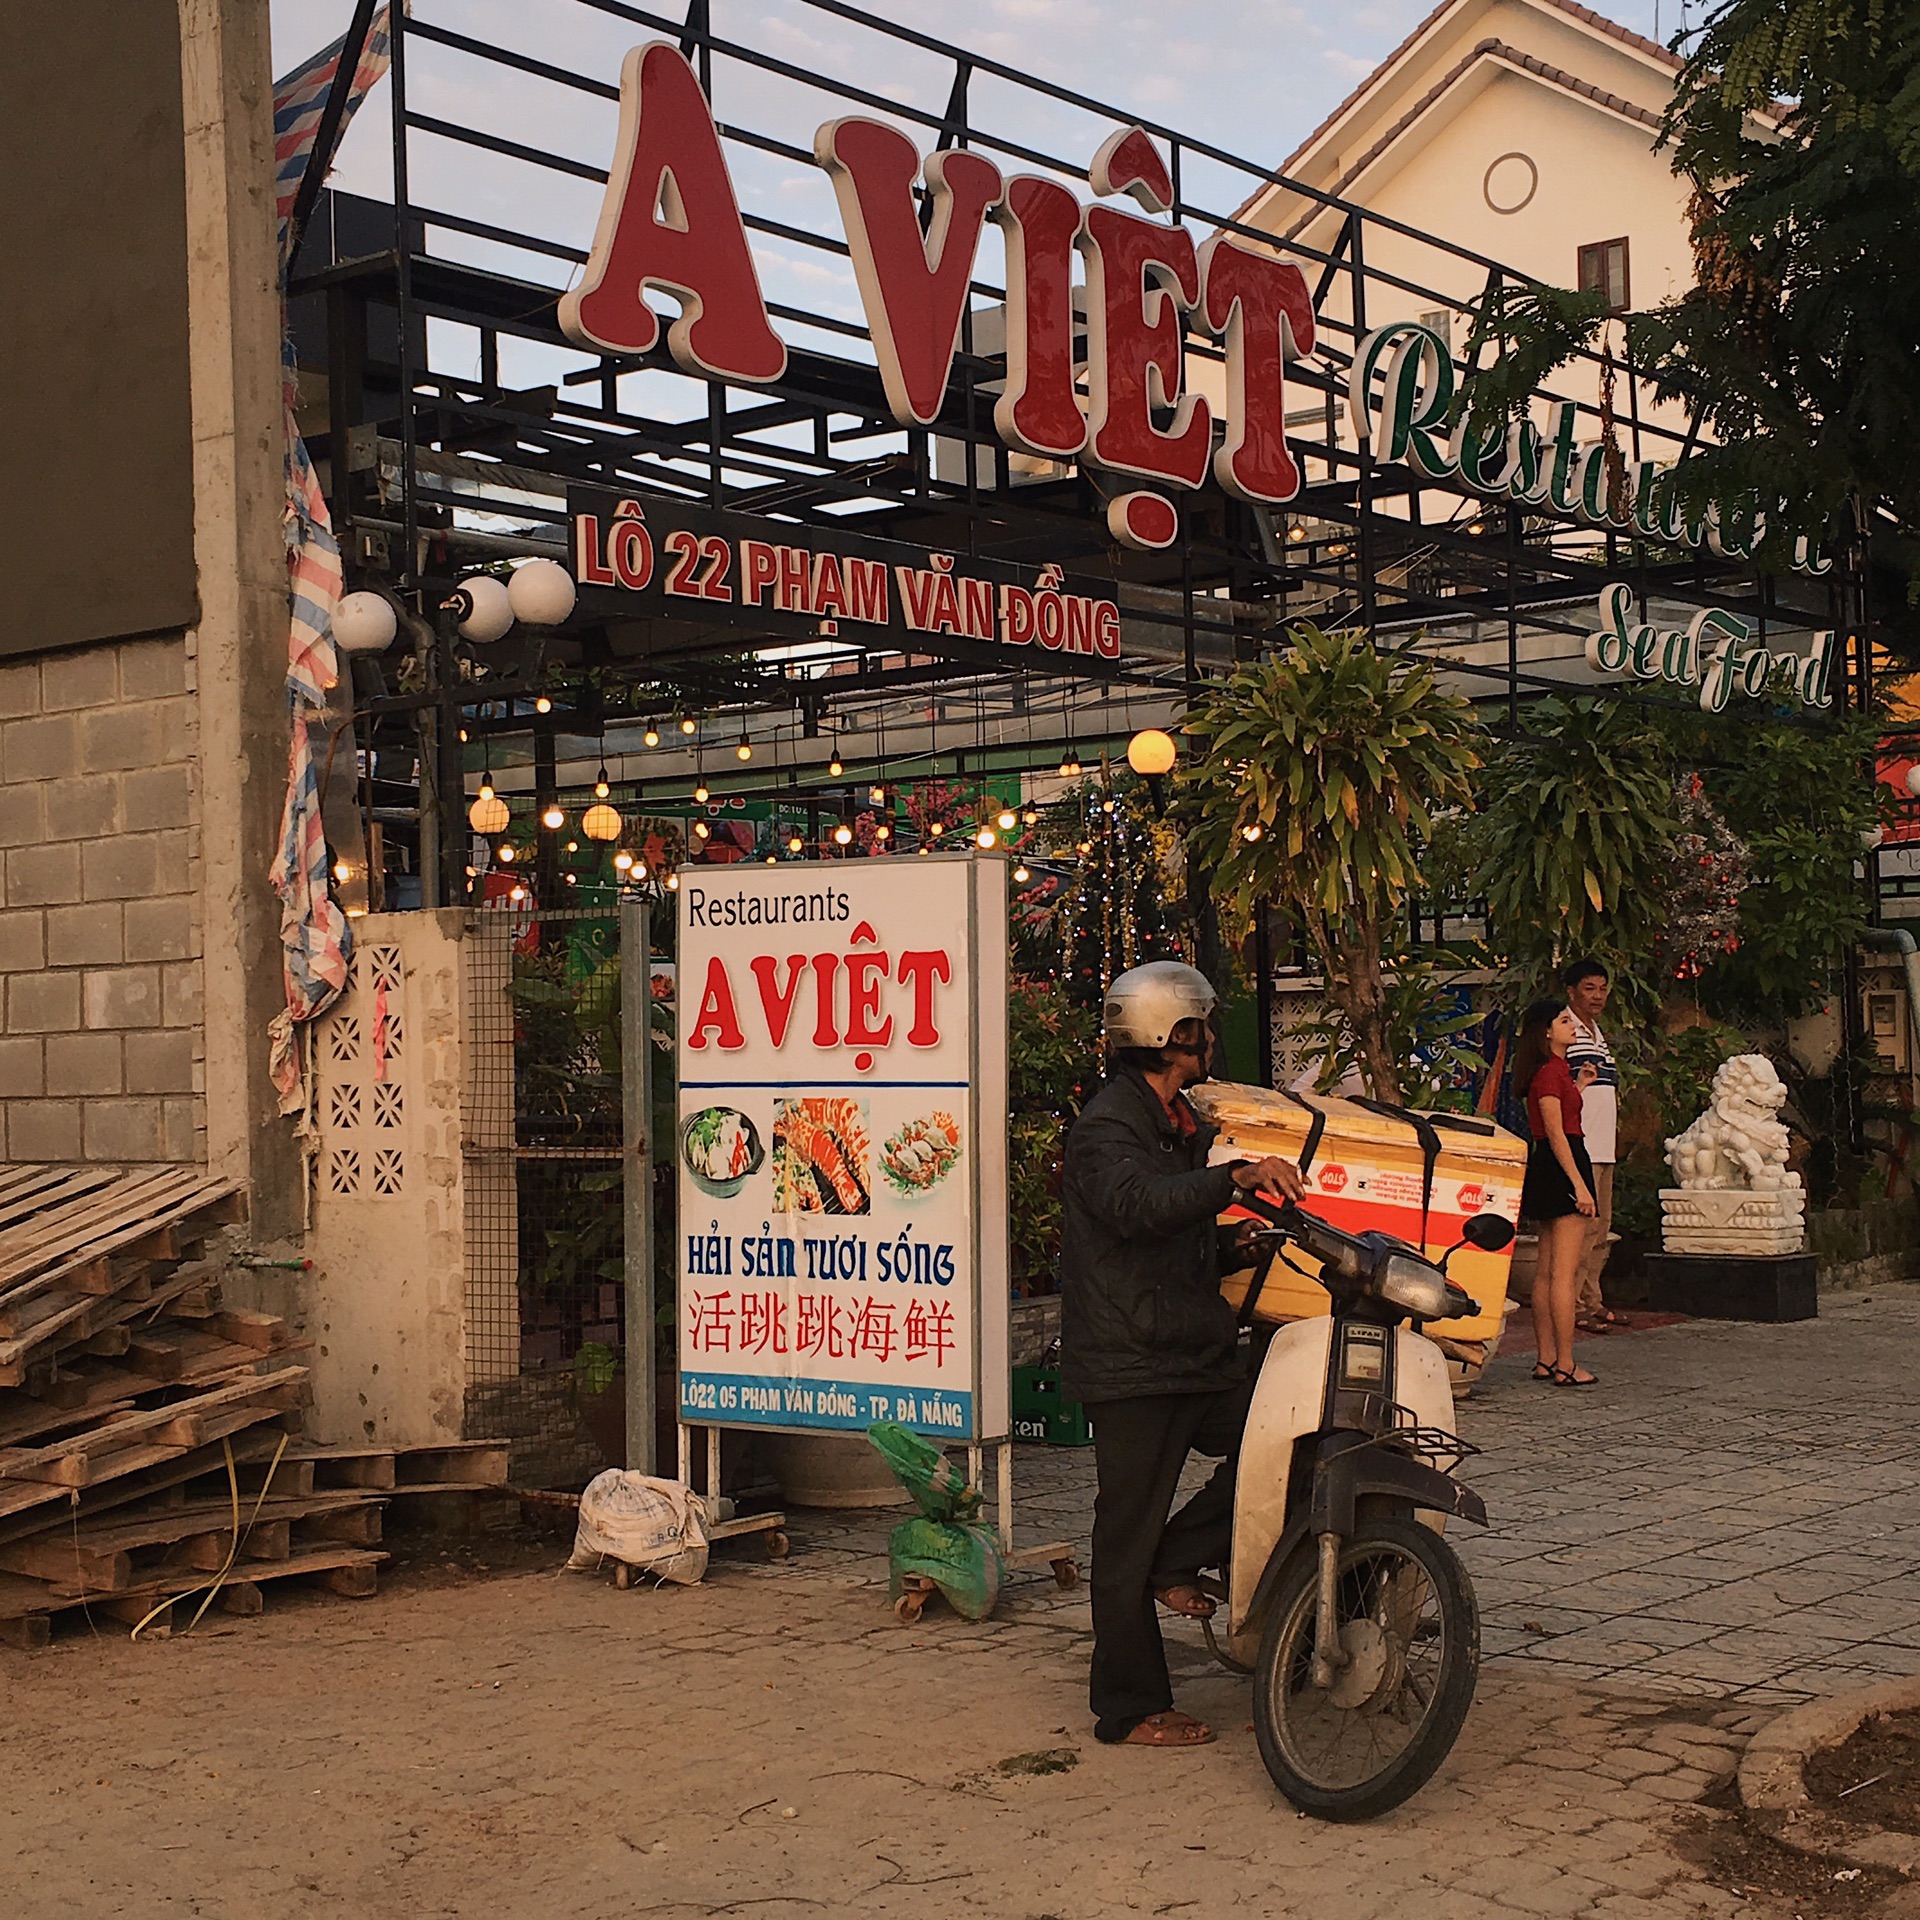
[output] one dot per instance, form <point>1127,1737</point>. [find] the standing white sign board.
<point>841,1145</point>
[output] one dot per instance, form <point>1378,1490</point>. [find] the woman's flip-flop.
<point>1566,1377</point>
<point>1169,1729</point>
<point>1542,1372</point>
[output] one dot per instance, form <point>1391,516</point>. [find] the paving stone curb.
<point>1773,1786</point>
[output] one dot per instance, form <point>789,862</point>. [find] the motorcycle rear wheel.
<point>1412,1632</point>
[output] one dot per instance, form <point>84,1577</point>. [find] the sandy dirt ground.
<point>544,1745</point>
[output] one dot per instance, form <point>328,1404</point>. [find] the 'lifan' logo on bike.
<point>1471,1198</point>
<point>1332,1179</point>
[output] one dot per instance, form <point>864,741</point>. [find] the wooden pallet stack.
<point>148,1431</point>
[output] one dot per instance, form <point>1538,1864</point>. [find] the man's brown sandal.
<point>1169,1729</point>
<point>1186,1600</point>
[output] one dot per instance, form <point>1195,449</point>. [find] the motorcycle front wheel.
<point>1411,1633</point>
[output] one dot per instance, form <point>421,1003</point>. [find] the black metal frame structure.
<point>438,458</point>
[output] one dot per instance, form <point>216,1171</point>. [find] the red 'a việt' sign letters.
<point>670,223</point>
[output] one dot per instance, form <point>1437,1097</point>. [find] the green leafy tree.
<point>1320,772</point>
<point>1571,842</point>
<point>1796,345</point>
<point>1801,798</point>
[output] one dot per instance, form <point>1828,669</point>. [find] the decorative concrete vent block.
<point>361,1059</point>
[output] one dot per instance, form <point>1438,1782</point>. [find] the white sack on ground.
<point>657,1526</point>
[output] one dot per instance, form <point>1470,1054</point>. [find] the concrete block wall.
<point>101,1032</point>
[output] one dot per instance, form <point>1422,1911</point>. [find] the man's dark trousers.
<point>1140,1447</point>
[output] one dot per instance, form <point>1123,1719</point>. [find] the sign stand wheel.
<point>1056,1554</point>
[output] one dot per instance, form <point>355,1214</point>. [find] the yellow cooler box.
<point>1418,1176</point>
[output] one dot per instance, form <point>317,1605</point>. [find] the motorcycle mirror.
<point>1488,1232</point>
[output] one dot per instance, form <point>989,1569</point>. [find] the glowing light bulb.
<point>506,854</point>
<point>573,846</point>
<point>1021,874</point>
<point>744,751</point>
<point>1030,815</point>
<point>936,828</point>
<point>878,796</point>
<point>773,860</point>
<point>600,787</point>
<point>652,735</point>
<point>794,843</point>
<point>543,705</point>
<point>700,793</point>
<point>883,831</point>
<point>986,837</point>
<point>341,871</point>
<point>553,817</point>
<point>673,883</point>
<point>1251,831</point>
<point>701,830</point>
<point>1007,820</point>
<point>623,860</point>
<point>834,767</point>
<point>1086,846</point>
<point>519,893</point>
<point>689,726</point>
<point>842,835</point>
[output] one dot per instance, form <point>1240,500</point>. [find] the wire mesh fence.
<point>544,1141</point>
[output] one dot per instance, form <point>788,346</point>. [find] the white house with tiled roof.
<point>1524,130</point>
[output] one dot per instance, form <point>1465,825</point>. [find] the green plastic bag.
<point>938,1485</point>
<point>948,1544</point>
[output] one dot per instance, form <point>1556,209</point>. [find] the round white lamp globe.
<point>541,592</point>
<point>364,623</point>
<point>481,608</point>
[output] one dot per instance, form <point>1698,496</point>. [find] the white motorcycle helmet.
<point>1145,1004</point>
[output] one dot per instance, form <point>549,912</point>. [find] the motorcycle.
<point>1345,1601</point>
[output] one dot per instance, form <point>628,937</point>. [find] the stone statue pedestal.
<point>1733,1220</point>
<point>1710,1286</point>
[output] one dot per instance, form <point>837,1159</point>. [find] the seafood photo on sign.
<point>820,1150</point>
<point>921,1154</point>
<point>721,1146</point>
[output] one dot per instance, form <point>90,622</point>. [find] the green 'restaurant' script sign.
<point>1408,405</point>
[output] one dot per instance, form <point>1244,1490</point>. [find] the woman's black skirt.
<point>1548,1193</point>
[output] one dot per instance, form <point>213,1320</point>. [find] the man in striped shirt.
<point>1591,1060</point>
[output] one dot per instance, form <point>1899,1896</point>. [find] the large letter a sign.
<point>670,220</point>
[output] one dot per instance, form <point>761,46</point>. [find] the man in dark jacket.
<point>1148,1343</point>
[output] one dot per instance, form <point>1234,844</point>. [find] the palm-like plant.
<point>1322,769</point>
<point>1571,847</point>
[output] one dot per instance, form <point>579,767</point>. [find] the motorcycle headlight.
<point>1414,1286</point>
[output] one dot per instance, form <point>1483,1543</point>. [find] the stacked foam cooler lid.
<point>1419,1176</point>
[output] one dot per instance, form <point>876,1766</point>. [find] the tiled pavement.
<point>1734,1511</point>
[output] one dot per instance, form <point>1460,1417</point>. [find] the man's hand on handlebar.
<point>1276,1178</point>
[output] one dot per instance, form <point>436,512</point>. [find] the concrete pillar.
<point>237,653</point>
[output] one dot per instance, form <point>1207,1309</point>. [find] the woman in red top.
<point>1558,1195</point>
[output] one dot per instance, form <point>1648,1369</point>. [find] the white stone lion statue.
<point>1739,1141</point>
